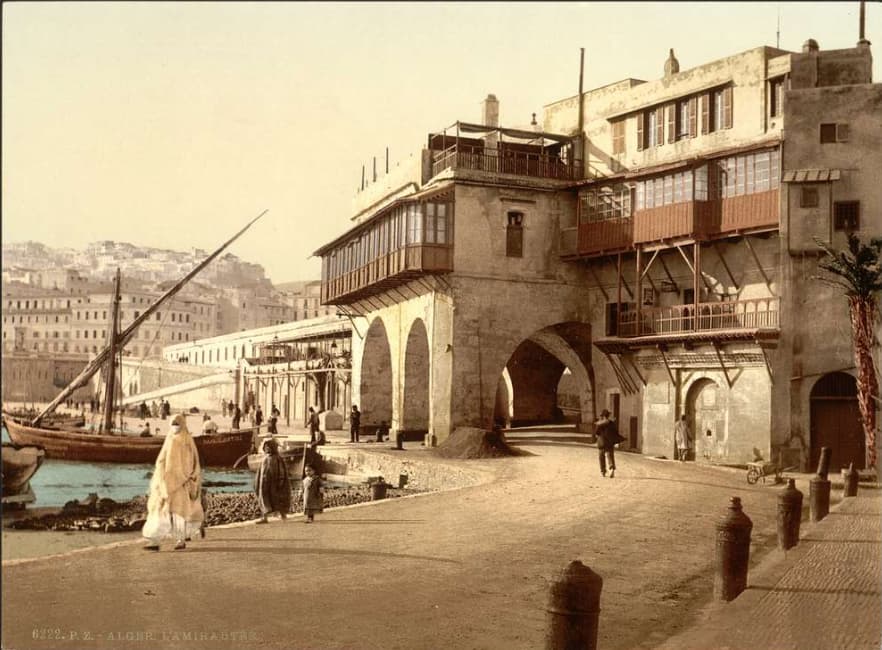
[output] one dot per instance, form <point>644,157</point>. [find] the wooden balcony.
<point>607,236</point>
<point>502,161</point>
<point>701,220</point>
<point>388,271</point>
<point>754,314</point>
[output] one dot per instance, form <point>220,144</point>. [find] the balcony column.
<point>696,282</point>
<point>618,293</point>
<point>639,279</point>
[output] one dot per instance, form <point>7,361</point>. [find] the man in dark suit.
<point>607,439</point>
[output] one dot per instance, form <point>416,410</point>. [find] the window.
<point>808,196</point>
<point>651,130</point>
<point>514,235</point>
<point>618,137</point>
<point>776,97</point>
<point>682,127</point>
<point>834,132</point>
<point>847,215</point>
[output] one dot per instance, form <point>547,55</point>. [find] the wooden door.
<point>836,422</point>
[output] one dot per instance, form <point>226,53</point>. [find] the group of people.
<point>175,504</point>
<point>607,434</point>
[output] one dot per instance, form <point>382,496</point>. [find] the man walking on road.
<point>354,423</point>
<point>607,439</point>
<point>683,438</point>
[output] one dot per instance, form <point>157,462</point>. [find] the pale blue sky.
<point>171,124</point>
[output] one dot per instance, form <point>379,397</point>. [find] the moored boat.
<point>220,449</point>
<point>19,465</point>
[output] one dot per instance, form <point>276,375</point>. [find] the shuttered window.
<point>693,117</point>
<point>618,136</point>
<point>847,215</point>
<point>659,126</point>
<point>641,144</point>
<point>672,122</point>
<point>727,108</point>
<point>705,113</point>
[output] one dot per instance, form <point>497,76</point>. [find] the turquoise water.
<point>59,481</point>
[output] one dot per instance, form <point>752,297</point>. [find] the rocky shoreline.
<point>109,516</point>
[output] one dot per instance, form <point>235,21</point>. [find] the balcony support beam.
<point>597,281</point>
<point>758,265</point>
<point>726,266</point>
<point>722,365</point>
<point>624,383</point>
<point>668,273</point>
<point>638,278</point>
<point>662,348</point>
<point>636,371</point>
<point>651,260</point>
<point>766,359</point>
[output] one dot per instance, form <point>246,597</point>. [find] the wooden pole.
<point>110,379</point>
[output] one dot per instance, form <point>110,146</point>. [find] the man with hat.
<point>607,438</point>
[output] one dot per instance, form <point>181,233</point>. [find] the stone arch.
<point>835,422</point>
<point>415,407</point>
<point>706,416</point>
<point>375,387</point>
<point>535,368</point>
<point>503,411</point>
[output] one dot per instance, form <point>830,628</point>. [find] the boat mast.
<point>110,369</point>
<point>127,334</point>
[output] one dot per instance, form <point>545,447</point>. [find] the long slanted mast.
<point>96,363</point>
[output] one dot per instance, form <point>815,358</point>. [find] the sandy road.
<point>467,568</point>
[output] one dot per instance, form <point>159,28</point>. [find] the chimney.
<point>810,47</point>
<point>672,66</point>
<point>862,38</point>
<point>491,111</point>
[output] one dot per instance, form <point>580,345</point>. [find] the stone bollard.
<point>732,552</point>
<point>399,440</point>
<point>789,516</point>
<point>574,609</point>
<point>819,498</point>
<point>850,476</point>
<point>378,490</point>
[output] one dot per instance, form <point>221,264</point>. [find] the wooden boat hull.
<point>19,465</point>
<point>216,450</point>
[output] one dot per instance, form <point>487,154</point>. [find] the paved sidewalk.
<point>823,594</point>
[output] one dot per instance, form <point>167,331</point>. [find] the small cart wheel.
<point>753,475</point>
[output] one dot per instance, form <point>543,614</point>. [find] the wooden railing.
<point>502,161</point>
<point>757,313</point>
<point>401,265</point>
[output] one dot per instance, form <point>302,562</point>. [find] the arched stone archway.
<point>503,411</point>
<point>375,387</point>
<point>535,369</point>
<point>415,409</point>
<point>835,422</point>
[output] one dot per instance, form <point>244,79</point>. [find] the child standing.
<point>312,494</point>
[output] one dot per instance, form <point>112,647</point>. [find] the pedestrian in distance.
<point>683,438</point>
<point>312,494</point>
<point>258,416</point>
<point>145,431</point>
<point>209,426</point>
<point>607,439</point>
<point>272,484</point>
<point>174,506</point>
<point>271,424</point>
<point>382,431</point>
<point>313,422</point>
<point>224,407</point>
<point>354,423</point>
<point>237,415</point>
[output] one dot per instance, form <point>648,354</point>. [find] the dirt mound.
<point>469,442</point>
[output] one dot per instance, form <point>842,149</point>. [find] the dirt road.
<point>467,568</point>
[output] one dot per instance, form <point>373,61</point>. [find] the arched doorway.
<point>836,422</point>
<point>706,415</point>
<point>375,387</point>
<point>415,410</point>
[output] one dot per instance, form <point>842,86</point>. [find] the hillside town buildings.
<point>656,239</point>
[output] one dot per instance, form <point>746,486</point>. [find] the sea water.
<point>60,481</point>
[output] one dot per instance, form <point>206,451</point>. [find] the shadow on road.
<point>287,550</point>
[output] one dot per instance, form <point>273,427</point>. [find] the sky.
<point>172,124</point>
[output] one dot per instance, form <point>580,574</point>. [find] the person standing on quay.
<point>271,484</point>
<point>258,416</point>
<point>312,494</point>
<point>683,438</point>
<point>354,423</point>
<point>237,415</point>
<point>313,425</point>
<point>174,507</point>
<point>607,439</point>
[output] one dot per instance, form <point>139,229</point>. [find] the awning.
<point>811,176</point>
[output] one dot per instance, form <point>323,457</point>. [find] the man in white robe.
<point>174,507</point>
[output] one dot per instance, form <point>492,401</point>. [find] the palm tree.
<point>857,271</point>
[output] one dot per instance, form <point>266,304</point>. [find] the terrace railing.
<point>505,161</point>
<point>756,313</point>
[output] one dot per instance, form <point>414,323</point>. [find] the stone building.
<point>653,243</point>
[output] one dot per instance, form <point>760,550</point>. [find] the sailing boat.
<point>220,449</point>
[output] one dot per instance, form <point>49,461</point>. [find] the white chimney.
<point>491,118</point>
